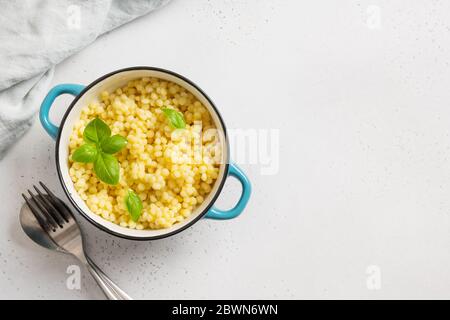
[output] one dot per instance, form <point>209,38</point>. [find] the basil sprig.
<point>99,149</point>
<point>96,131</point>
<point>113,144</point>
<point>133,204</point>
<point>107,168</point>
<point>175,117</point>
<point>86,153</point>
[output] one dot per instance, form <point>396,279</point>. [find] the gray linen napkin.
<point>35,35</point>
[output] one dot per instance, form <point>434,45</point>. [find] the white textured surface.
<point>364,180</point>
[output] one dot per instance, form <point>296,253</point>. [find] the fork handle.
<point>107,290</point>
<point>119,294</point>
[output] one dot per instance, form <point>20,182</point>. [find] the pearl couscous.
<point>170,176</point>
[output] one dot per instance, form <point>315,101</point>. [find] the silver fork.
<point>57,221</point>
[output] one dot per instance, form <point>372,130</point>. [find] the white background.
<point>361,96</point>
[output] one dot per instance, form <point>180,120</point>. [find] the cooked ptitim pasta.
<point>158,163</point>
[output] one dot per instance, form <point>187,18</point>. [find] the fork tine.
<point>44,210</point>
<point>37,214</point>
<point>56,203</point>
<point>51,208</point>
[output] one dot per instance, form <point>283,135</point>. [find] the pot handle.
<point>73,89</point>
<point>235,171</point>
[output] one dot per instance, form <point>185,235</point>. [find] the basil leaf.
<point>134,205</point>
<point>176,118</point>
<point>113,144</point>
<point>86,153</point>
<point>96,131</point>
<point>107,168</point>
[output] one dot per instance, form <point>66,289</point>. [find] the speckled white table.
<point>360,93</point>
